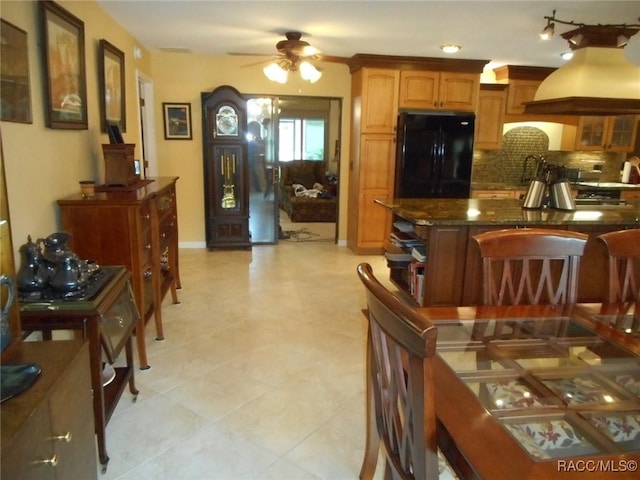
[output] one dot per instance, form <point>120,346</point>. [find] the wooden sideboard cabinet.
<point>136,227</point>
<point>47,430</point>
<point>107,320</point>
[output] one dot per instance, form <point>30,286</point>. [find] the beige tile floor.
<point>260,375</point>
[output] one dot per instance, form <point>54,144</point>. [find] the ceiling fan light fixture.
<point>450,48</point>
<point>309,72</point>
<point>276,73</point>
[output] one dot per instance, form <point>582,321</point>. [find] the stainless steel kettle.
<point>535,194</point>
<point>561,197</point>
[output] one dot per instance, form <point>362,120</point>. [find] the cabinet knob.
<point>148,246</point>
<point>146,216</point>
<point>53,461</point>
<point>63,438</point>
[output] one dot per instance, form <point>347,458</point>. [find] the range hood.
<point>598,80</point>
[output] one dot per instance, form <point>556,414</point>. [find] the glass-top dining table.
<point>535,392</point>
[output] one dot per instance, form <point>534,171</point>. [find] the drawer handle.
<point>53,461</point>
<point>63,438</point>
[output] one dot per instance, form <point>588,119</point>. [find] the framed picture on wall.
<point>62,39</point>
<point>15,85</point>
<point>112,86</point>
<point>177,121</point>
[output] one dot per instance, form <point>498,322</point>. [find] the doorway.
<point>282,129</point>
<point>147,141</point>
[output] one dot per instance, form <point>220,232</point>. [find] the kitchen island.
<point>451,273</point>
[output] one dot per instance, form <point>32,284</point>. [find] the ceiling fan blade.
<point>261,62</point>
<point>242,54</point>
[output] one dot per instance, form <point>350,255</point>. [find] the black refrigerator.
<point>434,155</point>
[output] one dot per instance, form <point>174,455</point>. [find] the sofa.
<point>306,209</point>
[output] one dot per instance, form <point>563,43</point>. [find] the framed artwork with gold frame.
<point>62,39</point>
<point>15,85</point>
<point>111,81</point>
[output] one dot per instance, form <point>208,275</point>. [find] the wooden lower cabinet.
<point>630,194</point>
<point>453,269</point>
<point>47,431</point>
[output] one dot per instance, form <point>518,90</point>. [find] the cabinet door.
<point>379,100</point>
<point>591,133</point>
<point>376,181</point>
<point>72,422</point>
<point>458,91</point>
<point>622,133</point>
<point>490,119</point>
<point>630,194</point>
<point>25,457</point>
<point>444,268</point>
<point>519,92</point>
<point>419,89</point>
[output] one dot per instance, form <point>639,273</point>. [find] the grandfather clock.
<point>226,169</point>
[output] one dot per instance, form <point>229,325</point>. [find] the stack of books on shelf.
<point>416,280</point>
<point>419,252</point>
<point>405,227</point>
<point>404,241</point>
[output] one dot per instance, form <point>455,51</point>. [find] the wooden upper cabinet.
<point>379,96</point>
<point>610,133</point>
<point>602,133</point>
<point>520,92</point>
<point>439,90</point>
<point>490,116</point>
<point>523,83</point>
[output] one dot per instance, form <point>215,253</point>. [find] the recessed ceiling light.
<point>450,48</point>
<point>567,55</point>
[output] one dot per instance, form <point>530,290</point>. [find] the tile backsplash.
<point>506,166</point>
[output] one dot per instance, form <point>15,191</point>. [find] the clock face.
<point>226,121</point>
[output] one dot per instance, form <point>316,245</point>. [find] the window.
<point>301,139</point>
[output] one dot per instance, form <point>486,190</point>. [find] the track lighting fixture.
<point>576,39</point>
<point>622,40</point>
<point>577,36</point>
<point>547,33</point>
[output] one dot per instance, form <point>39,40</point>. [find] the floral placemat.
<point>549,439</point>
<point>580,390</point>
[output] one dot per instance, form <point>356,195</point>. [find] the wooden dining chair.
<point>623,249</point>
<point>400,398</point>
<point>530,266</point>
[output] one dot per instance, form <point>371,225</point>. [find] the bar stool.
<point>623,249</point>
<point>530,266</point>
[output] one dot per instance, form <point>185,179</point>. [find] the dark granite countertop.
<point>584,185</point>
<point>431,211</point>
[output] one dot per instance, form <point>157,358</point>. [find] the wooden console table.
<point>136,227</point>
<point>107,320</point>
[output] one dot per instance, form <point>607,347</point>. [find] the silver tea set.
<point>49,263</point>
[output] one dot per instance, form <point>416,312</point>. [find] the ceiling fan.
<point>294,54</point>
